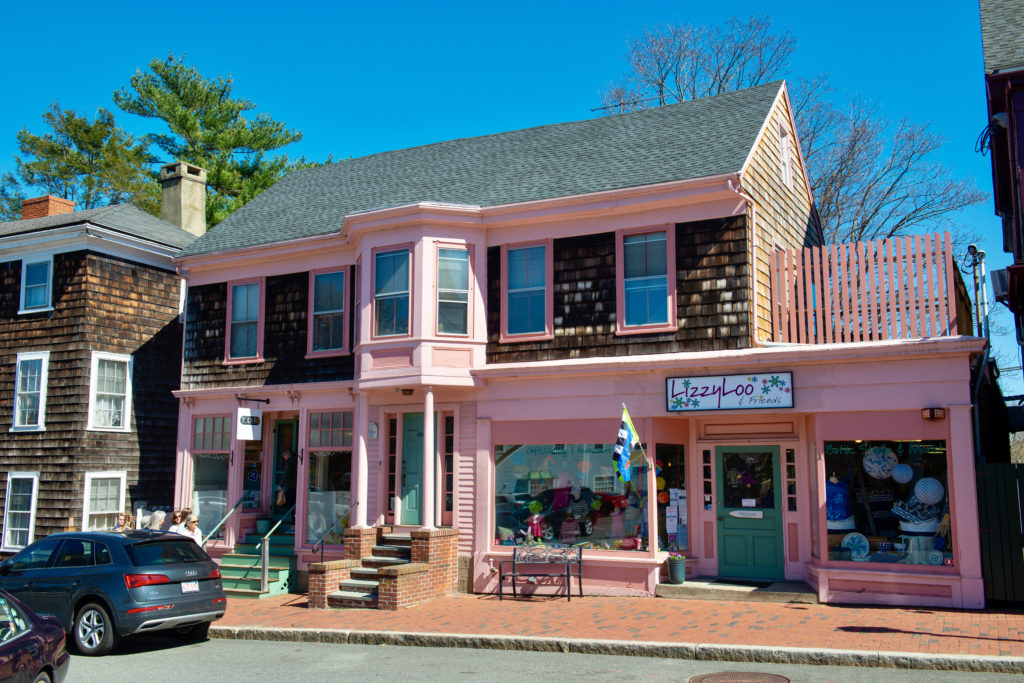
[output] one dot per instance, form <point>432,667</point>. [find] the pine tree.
<point>209,128</point>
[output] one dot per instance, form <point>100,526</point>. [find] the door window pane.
<point>748,480</point>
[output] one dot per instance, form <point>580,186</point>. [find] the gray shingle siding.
<point>696,139</point>
<point>1002,34</point>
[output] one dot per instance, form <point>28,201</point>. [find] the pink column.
<point>428,459</point>
<point>359,481</point>
<point>963,507</point>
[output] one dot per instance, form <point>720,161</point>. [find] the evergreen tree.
<point>93,163</point>
<point>209,128</point>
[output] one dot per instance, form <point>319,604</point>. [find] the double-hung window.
<point>244,306</point>
<point>452,290</point>
<point>20,509</point>
<point>104,499</point>
<point>110,392</point>
<point>526,280</point>
<point>391,293</point>
<point>646,301</point>
<point>30,391</point>
<point>36,284</point>
<point>327,304</point>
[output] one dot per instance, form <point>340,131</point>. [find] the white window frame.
<point>120,475</point>
<point>31,261</point>
<point>6,546</point>
<point>97,356</point>
<point>452,296</point>
<point>40,425</point>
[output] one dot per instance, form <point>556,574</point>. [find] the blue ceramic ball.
<point>903,473</point>
<point>929,491</point>
<point>879,462</point>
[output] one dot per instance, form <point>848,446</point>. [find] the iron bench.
<point>543,560</point>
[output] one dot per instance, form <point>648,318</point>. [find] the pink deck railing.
<point>906,287</point>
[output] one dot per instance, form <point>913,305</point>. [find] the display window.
<point>670,480</point>
<point>329,499</point>
<point>569,494</point>
<point>888,501</point>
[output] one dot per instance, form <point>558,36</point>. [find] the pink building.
<point>805,413</point>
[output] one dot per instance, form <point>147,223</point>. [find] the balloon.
<point>903,473</point>
<point>661,483</point>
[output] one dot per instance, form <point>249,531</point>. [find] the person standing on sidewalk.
<point>191,529</point>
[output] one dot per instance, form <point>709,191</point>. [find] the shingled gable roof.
<point>1002,35</point>
<point>689,140</point>
<point>122,218</point>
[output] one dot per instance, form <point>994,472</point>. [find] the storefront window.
<point>330,476</point>
<point>569,493</point>
<point>670,471</point>
<point>887,501</point>
<point>211,450</point>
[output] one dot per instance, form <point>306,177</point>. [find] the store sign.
<point>249,424</point>
<point>747,514</point>
<point>729,392</point>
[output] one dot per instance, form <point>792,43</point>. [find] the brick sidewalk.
<point>922,630</point>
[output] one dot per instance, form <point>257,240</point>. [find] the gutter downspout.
<point>735,185</point>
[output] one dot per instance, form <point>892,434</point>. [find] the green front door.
<point>749,512</point>
<point>412,468</point>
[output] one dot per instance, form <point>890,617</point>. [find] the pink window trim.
<point>228,418</point>
<point>438,246</point>
<point>373,289</point>
<point>258,358</point>
<point>346,315</point>
<point>620,282</point>
<point>549,271</point>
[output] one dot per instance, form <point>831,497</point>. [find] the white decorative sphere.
<point>929,491</point>
<point>903,473</point>
<point>879,462</point>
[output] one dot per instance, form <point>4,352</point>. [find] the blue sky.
<point>358,79</point>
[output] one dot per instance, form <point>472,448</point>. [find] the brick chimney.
<point>183,200</point>
<point>41,207</point>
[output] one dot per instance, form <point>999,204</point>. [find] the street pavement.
<point>988,640</point>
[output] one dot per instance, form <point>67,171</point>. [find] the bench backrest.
<point>545,554</point>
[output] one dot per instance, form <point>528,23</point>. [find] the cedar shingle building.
<point>90,335</point>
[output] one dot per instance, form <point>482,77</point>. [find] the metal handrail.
<point>264,549</point>
<point>220,523</point>
<point>318,544</point>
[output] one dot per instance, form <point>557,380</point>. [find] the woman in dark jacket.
<point>287,482</point>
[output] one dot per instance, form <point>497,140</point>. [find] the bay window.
<point>391,293</point>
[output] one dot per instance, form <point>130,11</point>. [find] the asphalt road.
<point>153,659</point>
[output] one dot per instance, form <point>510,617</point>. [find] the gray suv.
<point>105,585</point>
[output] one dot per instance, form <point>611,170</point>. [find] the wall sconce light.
<point>407,392</point>
<point>933,414</point>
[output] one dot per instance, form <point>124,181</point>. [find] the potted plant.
<point>676,567</point>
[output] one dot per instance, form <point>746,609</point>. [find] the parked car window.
<point>74,553</point>
<point>36,556</point>
<point>166,552</point>
<point>102,554</point>
<point>12,622</point>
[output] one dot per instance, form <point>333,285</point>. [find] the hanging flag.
<point>624,445</point>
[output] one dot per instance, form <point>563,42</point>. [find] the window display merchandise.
<point>886,501</point>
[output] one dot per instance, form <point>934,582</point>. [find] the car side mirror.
<point>5,567</point>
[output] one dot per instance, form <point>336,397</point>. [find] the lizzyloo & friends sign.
<point>729,392</point>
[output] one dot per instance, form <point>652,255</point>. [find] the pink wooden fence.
<point>865,291</point>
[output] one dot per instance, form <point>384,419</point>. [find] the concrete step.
<point>229,572</point>
<point>398,538</point>
<point>401,552</point>
<point>359,586</point>
<point>246,593</point>
<point>375,562</point>
<point>352,599</point>
<point>238,560</point>
<point>276,539</point>
<point>278,550</point>
<point>365,573</point>
<point>738,589</point>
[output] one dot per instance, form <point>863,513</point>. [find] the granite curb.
<point>694,651</point>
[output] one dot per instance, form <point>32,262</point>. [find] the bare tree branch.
<point>871,178</point>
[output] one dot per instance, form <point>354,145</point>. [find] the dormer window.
<point>36,284</point>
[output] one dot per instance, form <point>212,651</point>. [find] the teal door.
<point>749,512</point>
<point>412,468</point>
